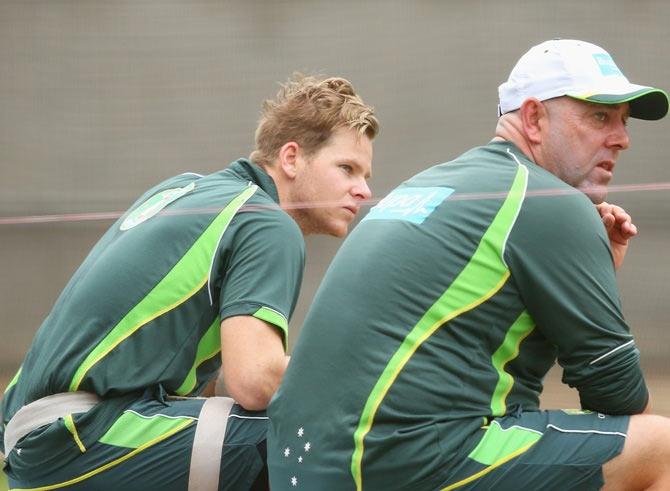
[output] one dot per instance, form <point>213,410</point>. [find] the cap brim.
<point>645,103</point>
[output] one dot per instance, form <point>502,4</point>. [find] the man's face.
<point>330,184</point>
<point>582,141</point>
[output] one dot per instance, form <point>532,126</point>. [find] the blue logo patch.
<point>409,204</point>
<point>606,64</point>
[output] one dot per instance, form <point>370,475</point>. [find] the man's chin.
<point>597,194</point>
<point>332,229</point>
<point>337,229</point>
<point>596,199</point>
<point>339,232</point>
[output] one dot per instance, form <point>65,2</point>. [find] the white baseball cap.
<point>568,67</point>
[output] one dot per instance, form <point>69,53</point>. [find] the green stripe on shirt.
<point>133,430</point>
<point>273,317</point>
<point>482,277</point>
<point>498,443</point>
<point>12,382</point>
<point>183,281</point>
<point>508,350</point>
<point>208,346</point>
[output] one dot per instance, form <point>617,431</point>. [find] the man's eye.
<point>347,168</point>
<point>600,116</point>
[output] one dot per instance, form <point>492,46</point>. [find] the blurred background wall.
<point>100,100</point>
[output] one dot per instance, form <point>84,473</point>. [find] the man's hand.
<point>620,229</point>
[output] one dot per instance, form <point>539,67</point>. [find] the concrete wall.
<point>100,100</point>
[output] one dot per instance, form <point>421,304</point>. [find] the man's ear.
<point>288,159</point>
<point>533,116</point>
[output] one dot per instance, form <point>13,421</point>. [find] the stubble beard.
<point>307,211</point>
<point>597,193</point>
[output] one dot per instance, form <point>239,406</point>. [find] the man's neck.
<point>508,130</point>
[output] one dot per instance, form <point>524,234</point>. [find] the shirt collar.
<point>246,169</point>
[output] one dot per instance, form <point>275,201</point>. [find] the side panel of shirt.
<point>562,265</point>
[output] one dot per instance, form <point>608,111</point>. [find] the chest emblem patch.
<point>154,205</point>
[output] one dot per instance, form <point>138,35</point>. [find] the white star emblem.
<point>287,452</point>
<point>301,431</point>
<point>307,446</point>
<point>300,460</point>
<point>294,481</point>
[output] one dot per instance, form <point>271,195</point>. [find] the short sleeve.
<point>560,260</point>
<point>263,267</point>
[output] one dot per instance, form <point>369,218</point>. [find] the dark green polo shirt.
<point>444,308</point>
<point>143,311</point>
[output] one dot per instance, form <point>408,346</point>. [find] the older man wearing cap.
<point>421,361</point>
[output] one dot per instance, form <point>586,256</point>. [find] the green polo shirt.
<point>143,311</point>
<point>445,308</point>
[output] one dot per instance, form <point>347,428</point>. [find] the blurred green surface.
<point>3,482</point>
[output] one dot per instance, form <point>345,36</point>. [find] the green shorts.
<point>149,446</point>
<point>547,450</point>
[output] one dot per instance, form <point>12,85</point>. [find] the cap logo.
<point>606,64</point>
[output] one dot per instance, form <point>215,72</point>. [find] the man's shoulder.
<point>547,194</point>
<point>556,219</point>
<point>224,185</point>
<point>256,205</point>
<point>262,214</point>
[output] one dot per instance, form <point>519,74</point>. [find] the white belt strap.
<point>208,444</point>
<point>45,411</point>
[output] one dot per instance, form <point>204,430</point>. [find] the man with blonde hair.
<point>420,363</point>
<point>199,277</point>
